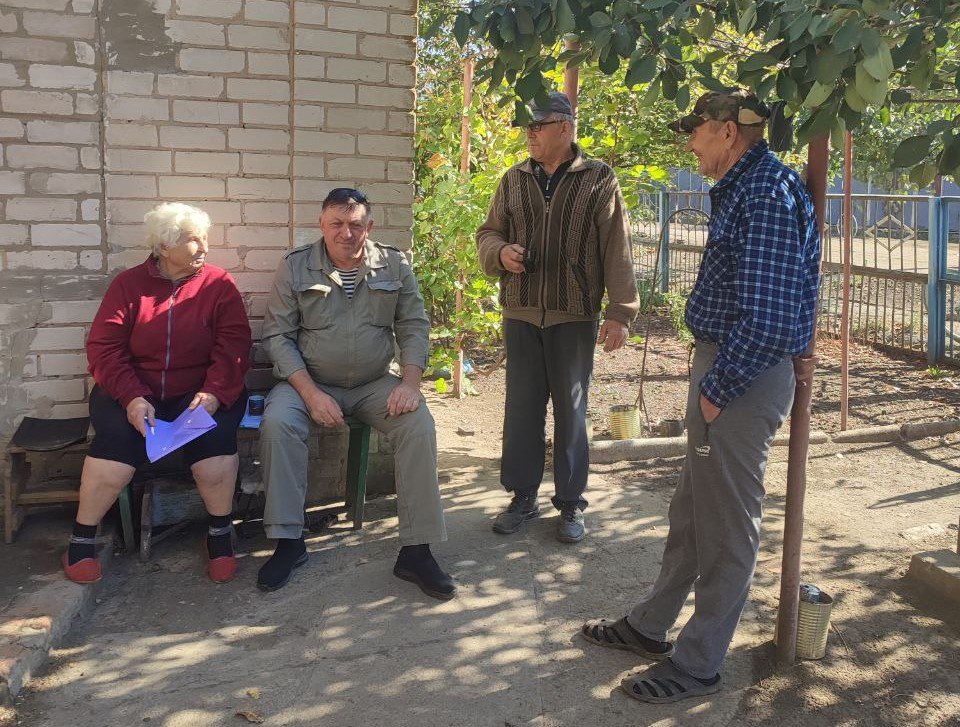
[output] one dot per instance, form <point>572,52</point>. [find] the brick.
<point>309,116</point>
<point>90,210</point>
<point>276,164</point>
<point>311,190</point>
<point>211,61</point>
<point>91,259</point>
<point>395,98</point>
<point>132,83</point>
<point>21,156</point>
<point>138,160</point>
<point>380,145</point>
<point>257,37</point>
<point>255,236</point>
<point>264,259</point>
<point>402,121</point>
<point>400,216</point>
<point>65,183</point>
<point>82,7</point>
<point>222,213</point>
<point>247,188</point>
<point>199,162</point>
<point>326,92</point>
<point>18,235</point>
<point>42,260</point>
<point>350,69</point>
<point>90,158</point>
<point>59,25</point>
<point>55,103</point>
<point>268,64</point>
<point>193,32</point>
<point>400,239</point>
<point>65,132</point>
<point>400,171</point>
<point>366,21</point>
<point>73,311</point>
<point>11,129</point>
<point>254,212</point>
<point>403,25</point>
<point>388,193</point>
<point>207,112</point>
<point>409,6</point>
<point>210,8</point>
<point>121,134</point>
<point>78,235</point>
<point>401,74</point>
<point>128,211</point>
<point>324,142</point>
<point>63,364</point>
<point>13,183</point>
<point>325,41</point>
<point>259,139</point>
<point>204,87</point>
<point>130,185</point>
<point>266,11</point>
<point>257,90</point>
<point>8,23</point>
<point>127,236</point>
<point>47,76</point>
<point>309,66</point>
<point>180,187</point>
<point>53,209</point>
<point>309,166</point>
<point>311,13</point>
<point>350,168</point>
<point>84,53</point>
<point>253,282</point>
<point>31,49</point>
<point>372,46</point>
<point>192,137</point>
<point>224,258</point>
<point>135,108</point>
<point>264,114</point>
<point>55,389</point>
<point>125,259</point>
<point>9,76</point>
<point>86,104</point>
<point>355,118</point>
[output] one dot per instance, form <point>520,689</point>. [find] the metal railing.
<point>905,259</point>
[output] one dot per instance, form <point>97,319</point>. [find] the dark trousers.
<point>547,363</point>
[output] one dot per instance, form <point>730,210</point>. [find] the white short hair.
<point>167,222</point>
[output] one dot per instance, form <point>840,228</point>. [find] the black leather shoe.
<point>276,572</point>
<point>426,573</point>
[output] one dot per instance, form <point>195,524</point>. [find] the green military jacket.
<point>310,324</point>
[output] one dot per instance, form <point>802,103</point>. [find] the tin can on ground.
<point>813,623</point>
<point>625,421</point>
<point>255,405</point>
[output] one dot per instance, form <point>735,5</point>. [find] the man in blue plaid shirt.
<point>751,311</point>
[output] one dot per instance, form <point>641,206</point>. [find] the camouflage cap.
<point>740,106</point>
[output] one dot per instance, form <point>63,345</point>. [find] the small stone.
<point>465,432</point>
<point>922,532</point>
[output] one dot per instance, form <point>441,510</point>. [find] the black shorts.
<point>116,440</point>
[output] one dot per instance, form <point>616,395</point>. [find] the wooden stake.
<point>465,171</point>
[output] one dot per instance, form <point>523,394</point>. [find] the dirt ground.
<point>894,650</point>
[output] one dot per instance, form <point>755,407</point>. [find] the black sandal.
<point>621,635</point>
<point>664,683</point>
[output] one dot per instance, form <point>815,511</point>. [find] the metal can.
<point>255,405</point>
<point>809,593</point>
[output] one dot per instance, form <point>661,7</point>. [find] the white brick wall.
<point>242,107</point>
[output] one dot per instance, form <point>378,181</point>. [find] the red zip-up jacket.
<point>156,337</point>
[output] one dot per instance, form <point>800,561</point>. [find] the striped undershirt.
<point>349,280</point>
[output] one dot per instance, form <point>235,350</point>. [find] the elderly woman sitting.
<point>171,334</point>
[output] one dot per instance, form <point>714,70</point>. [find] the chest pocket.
<point>384,297</point>
<point>316,306</point>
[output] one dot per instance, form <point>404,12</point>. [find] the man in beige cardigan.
<point>557,236</point>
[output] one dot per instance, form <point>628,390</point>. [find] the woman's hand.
<point>207,401</point>
<point>140,415</point>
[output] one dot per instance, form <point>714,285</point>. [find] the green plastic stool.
<point>358,452</point>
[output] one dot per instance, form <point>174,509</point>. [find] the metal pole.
<point>817,157</point>
<point>664,215</point>
<point>845,309</point>
<point>464,170</point>
<point>936,293</point>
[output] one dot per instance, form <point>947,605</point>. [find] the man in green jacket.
<point>557,235</point>
<point>337,311</point>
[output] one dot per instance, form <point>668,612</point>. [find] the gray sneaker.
<point>520,509</point>
<point>570,525</point>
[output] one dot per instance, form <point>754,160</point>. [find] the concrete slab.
<point>938,570</point>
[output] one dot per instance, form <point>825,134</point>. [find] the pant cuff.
<point>653,635</point>
<point>291,532</point>
<point>424,539</point>
<point>695,673</point>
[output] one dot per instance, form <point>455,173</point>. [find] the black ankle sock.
<point>414,553</point>
<point>705,682</point>
<point>78,551</point>
<point>219,543</point>
<point>651,645</point>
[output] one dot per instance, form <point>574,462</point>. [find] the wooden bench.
<point>20,495</point>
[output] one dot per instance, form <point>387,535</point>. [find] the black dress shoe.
<point>276,572</point>
<point>419,566</point>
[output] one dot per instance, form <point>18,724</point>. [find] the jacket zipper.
<point>166,362</point>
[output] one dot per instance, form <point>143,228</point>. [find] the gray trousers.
<point>284,456</point>
<point>715,518</point>
<point>555,363</point>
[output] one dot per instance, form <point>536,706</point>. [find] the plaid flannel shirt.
<point>756,290</point>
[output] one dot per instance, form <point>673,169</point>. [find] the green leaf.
<point>682,99</point>
<point>609,61</point>
<point>950,157</point>
<point>873,7</point>
<point>848,36</point>
<point>652,93</point>
<point>922,73</point>
<point>909,49</point>
<point>872,91</point>
<point>827,66</point>
<point>441,385</point>
<point>879,64</point>
<point>600,20</point>
<point>870,41</point>
<point>956,79</point>
<point>853,99</point>
<point>529,86</point>
<point>837,133</point>
<point>565,22</point>
<point>900,96</point>
<point>524,21</point>
<point>911,149</point>
<point>508,29</point>
<point>818,94</point>
<point>923,174</point>
<point>712,84</point>
<point>786,87</point>
<point>461,28</point>
<point>706,25</point>
<point>641,70</point>
<point>757,61</point>
<point>817,125</point>
<point>748,17</point>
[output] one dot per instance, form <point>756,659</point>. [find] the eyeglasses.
<point>343,195</point>
<point>537,126</point>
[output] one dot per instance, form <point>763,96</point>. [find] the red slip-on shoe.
<point>222,569</point>
<point>83,571</point>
